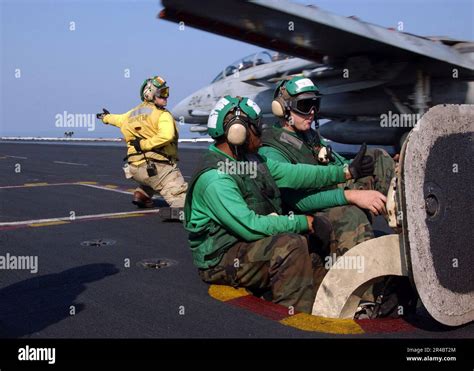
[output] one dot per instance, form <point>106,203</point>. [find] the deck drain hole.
<point>156,263</point>
<point>98,243</point>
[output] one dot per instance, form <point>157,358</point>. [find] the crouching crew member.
<point>237,232</point>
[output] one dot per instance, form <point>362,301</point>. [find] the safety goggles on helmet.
<point>158,81</point>
<point>164,92</point>
<point>305,105</point>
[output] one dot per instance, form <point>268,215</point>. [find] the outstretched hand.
<point>101,115</point>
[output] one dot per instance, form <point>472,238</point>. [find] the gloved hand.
<point>101,115</point>
<point>322,229</point>
<point>361,165</point>
<point>136,144</point>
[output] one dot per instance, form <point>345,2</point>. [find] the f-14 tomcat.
<point>367,74</point>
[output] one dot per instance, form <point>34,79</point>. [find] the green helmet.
<point>152,87</point>
<point>227,104</point>
<point>297,94</point>
<point>297,85</point>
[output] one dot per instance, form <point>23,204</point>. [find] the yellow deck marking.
<point>43,222</point>
<point>125,216</point>
<point>47,224</point>
<point>35,184</point>
<point>110,186</point>
<point>225,293</point>
<point>86,182</point>
<point>301,321</point>
<point>308,322</point>
<point>42,184</point>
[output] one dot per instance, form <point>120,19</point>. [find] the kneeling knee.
<point>291,244</point>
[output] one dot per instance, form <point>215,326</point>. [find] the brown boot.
<point>142,201</point>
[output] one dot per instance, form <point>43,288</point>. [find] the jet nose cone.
<point>181,110</point>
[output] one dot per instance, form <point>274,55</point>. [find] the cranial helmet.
<point>298,94</point>
<point>232,117</point>
<point>152,88</point>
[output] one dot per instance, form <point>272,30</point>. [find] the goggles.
<point>163,92</point>
<point>306,105</point>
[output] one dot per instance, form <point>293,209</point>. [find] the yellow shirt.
<point>157,128</point>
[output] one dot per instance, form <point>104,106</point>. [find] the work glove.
<point>135,143</point>
<point>361,165</point>
<point>322,228</point>
<point>101,115</point>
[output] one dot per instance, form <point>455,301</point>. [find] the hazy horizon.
<point>63,58</point>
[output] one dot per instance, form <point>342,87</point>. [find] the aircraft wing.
<point>311,33</point>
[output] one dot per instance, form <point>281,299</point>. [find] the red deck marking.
<point>265,308</point>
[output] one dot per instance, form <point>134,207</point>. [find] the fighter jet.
<point>252,76</point>
<point>376,82</point>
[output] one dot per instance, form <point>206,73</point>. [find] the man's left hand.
<point>136,144</point>
<point>322,229</point>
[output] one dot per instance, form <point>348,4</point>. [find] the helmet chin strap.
<point>287,116</point>
<point>236,151</point>
<point>239,150</point>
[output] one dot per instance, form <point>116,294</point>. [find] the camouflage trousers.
<point>168,182</point>
<point>352,225</point>
<point>279,263</point>
<point>291,265</point>
<point>384,171</point>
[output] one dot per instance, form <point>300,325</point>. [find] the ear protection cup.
<point>149,91</point>
<point>236,133</point>
<point>236,129</point>
<point>278,107</point>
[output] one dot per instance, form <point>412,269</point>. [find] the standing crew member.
<point>152,146</point>
<point>237,233</point>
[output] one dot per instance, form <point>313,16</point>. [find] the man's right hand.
<point>370,200</point>
<point>362,165</point>
<point>101,115</point>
